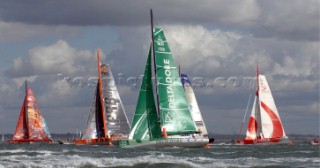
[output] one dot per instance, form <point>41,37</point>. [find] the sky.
<point>218,43</point>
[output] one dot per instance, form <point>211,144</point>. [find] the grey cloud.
<point>292,20</point>
<point>58,58</point>
<point>123,12</point>
<point>289,63</point>
<point>298,20</point>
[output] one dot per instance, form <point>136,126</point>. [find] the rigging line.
<point>252,89</point>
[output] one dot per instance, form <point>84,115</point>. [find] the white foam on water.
<point>46,152</point>
<point>78,161</point>
<point>223,153</point>
<point>45,158</point>
<point>12,151</point>
<point>297,161</point>
<point>151,159</point>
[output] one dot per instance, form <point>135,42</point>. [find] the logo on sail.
<point>168,80</point>
<point>168,117</point>
<point>104,69</point>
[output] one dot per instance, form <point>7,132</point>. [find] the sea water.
<point>223,155</point>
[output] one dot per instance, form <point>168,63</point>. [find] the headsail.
<point>174,110</point>
<point>193,105</point>
<point>90,131</point>
<point>145,124</point>
<point>22,128</point>
<point>252,131</point>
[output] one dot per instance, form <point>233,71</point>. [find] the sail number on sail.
<point>112,106</point>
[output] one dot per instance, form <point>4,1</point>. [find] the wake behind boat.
<point>314,142</point>
<point>31,126</point>
<point>264,126</point>
<point>107,122</point>
<point>162,117</point>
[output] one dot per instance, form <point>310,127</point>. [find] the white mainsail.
<point>117,121</point>
<point>270,119</point>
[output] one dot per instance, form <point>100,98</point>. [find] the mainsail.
<point>270,119</point>
<point>31,126</point>
<point>193,105</point>
<point>174,110</point>
<point>107,117</point>
<point>117,121</point>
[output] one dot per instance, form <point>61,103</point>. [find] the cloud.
<point>127,13</point>
<point>55,93</point>
<point>275,19</point>
<point>198,48</point>
<point>297,21</point>
<point>209,39</point>
<point>11,32</point>
<point>58,58</point>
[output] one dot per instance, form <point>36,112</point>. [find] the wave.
<point>154,160</point>
<point>79,161</point>
<point>20,151</point>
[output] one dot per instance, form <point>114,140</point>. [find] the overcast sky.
<point>217,43</point>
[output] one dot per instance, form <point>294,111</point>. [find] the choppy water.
<point>55,155</point>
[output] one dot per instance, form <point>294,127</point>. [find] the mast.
<point>101,98</point>
<point>26,109</point>
<point>258,112</point>
<point>179,71</point>
<point>26,85</point>
<point>258,79</point>
<point>155,68</point>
